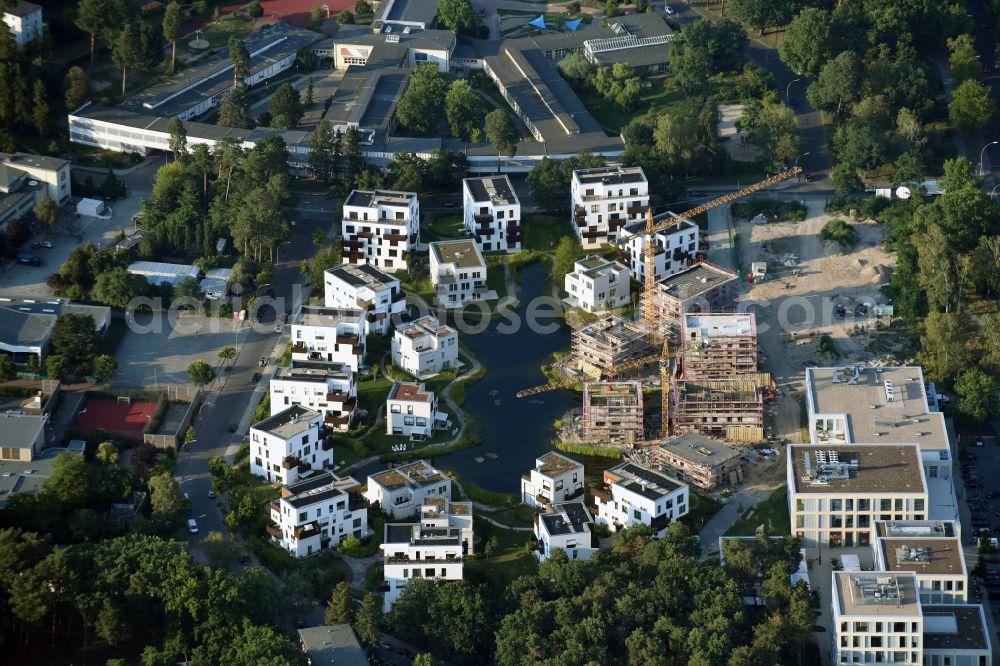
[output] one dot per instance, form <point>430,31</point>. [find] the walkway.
<point>486,508</point>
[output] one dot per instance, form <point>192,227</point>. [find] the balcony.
<point>363,304</point>
<point>337,397</point>
<point>273,531</point>
<point>429,561</point>
<point>337,420</point>
<point>358,350</point>
<point>349,405</point>
<point>327,444</point>
<point>352,245</point>
<point>299,348</point>
<point>356,502</point>
<point>636,210</point>
<point>347,339</point>
<point>413,240</point>
<point>513,229</point>
<point>483,219</point>
<point>291,462</point>
<point>581,221</point>
<point>306,531</point>
<point>367,235</point>
<point>603,494</point>
<point>395,237</point>
<point>398,296</point>
<point>660,522</point>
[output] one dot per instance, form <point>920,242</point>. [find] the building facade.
<point>288,445</point>
<point>24,21</point>
<point>674,248</point>
<point>318,512</point>
<point>554,479</point>
<point>612,413</point>
<point>492,213</point>
<point>328,388</point>
<point>458,273</point>
<point>701,287</point>
<point>718,345</point>
<point>331,335</point>
<point>400,491</point>
<point>876,619</point>
<point>425,347</point>
<point>597,285</point>
<point>699,461</point>
<point>604,200</point>
<point>53,171</point>
<point>363,286</point>
<point>930,549</point>
<point>634,494</point>
<point>412,411</point>
<point>609,342</point>
<point>380,228</point>
<point>568,527</point>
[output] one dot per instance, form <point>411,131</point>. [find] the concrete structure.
<point>555,479</point>
<point>381,228</point>
<point>728,409</point>
<point>286,446</point>
<point>412,411</point>
<point>328,388</point>
<point>385,46</point>
<point>54,172</point>
<point>675,248</point>
<point>718,346</point>
<point>634,494</point>
<point>22,436</point>
<point>876,618</point>
<point>26,324</point>
<point>956,635</point>
<point>362,286</point>
<point>492,213</point>
<point>458,273</point>
<point>425,347</point>
<point>699,461</point>
<point>931,550</point>
<point>837,492</point>
<point>566,526</point>
<point>604,200</point>
<point>597,285</point>
<point>332,644</point>
<point>24,21</point>
<point>158,273</point>
<point>318,512</point>
<point>400,491</point>
<point>703,287</point>
<point>435,547</point>
<point>612,413</point>
<point>405,14</point>
<point>609,342</point>
<point>334,335</point>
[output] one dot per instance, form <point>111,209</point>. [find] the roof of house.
<point>289,422</point>
<point>416,474</point>
<point>694,281</point>
<point>21,329</point>
<point>642,480</point>
<point>553,464</point>
<point>363,275</point>
<point>596,266</point>
<point>333,644</point>
<point>21,431</point>
<point>314,315</point>
<point>372,198</point>
<point>923,556</point>
<point>566,518</point>
<point>859,468</point>
<point>313,371</point>
<point>494,189</point>
<point>26,477</point>
<point>57,306</point>
<point>426,325</point>
<point>697,448</point>
<point>919,529</point>
<point>717,324</point>
<point>317,488</point>
<point>416,534</point>
<point>610,175</point>
<point>23,8</point>
<point>955,627</point>
<point>410,392</point>
<point>875,593</point>
<point>33,161</point>
<point>408,11</point>
<point>463,253</point>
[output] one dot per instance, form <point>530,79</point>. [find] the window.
<point>357,522</point>
<point>303,516</point>
<point>395,409</point>
<point>409,409</point>
<point>636,514</point>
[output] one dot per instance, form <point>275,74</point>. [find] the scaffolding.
<point>608,343</point>
<point>720,346</point>
<point>612,412</point>
<point>704,287</point>
<point>702,462</point>
<point>729,409</point>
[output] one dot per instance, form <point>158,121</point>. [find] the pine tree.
<point>40,112</point>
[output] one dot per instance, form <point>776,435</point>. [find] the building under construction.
<point>718,346</point>
<point>729,409</point>
<point>704,287</point>
<point>700,461</point>
<point>612,413</point>
<point>608,343</point>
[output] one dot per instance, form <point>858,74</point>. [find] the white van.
<point>192,526</point>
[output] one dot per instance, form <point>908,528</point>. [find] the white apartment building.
<point>433,548</point>
<point>333,335</point>
<point>567,526</point>
<point>675,248</point>
<point>412,411</point>
<point>425,347</point>
<point>606,199</point>
<point>24,21</point>
<point>597,285</point>
<point>458,273</point>
<point>380,228</point>
<point>317,512</point>
<point>956,635</point>
<point>400,491</point>
<point>554,479</point>
<point>930,549</point>
<point>837,492</point>
<point>634,494</point>
<point>328,388</point>
<point>54,172</point>
<point>877,618</point>
<point>492,213</point>
<point>287,445</point>
<point>363,286</point>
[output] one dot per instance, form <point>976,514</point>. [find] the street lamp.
<point>983,152</point>
<point>800,157</point>
<point>788,87</point>
<point>277,251</point>
<point>992,192</point>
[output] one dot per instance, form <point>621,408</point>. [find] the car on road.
<point>211,494</point>
<point>231,428</point>
<point>808,177</point>
<point>29,260</point>
<point>979,441</point>
<point>263,361</point>
<point>668,10</point>
<point>46,244</point>
<point>255,378</point>
<point>192,526</point>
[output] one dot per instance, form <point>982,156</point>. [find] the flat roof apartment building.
<point>329,388</point>
<point>604,200</point>
<point>425,347</point>
<point>24,21</point>
<point>877,618</point>
<point>702,287</point>
<point>333,335</point>
<point>609,342</point>
<point>565,526</point>
<point>837,492</point>
<point>555,478</point>
<point>492,213</point>
<point>728,409</point>
<point>718,346</point>
<point>674,248</point>
<point>458,273</point>
<point>287,445</point>
<point>317,512</point>
<point>634,494</point>
<point>412,411</point>
<point>932,550</point>
<point>956,635</point>
<point>435,547</point>
<point>363,286</point>
<point>381,228</point>
<point>597,285</point>
<point>401,490</point>
<point>699,461</point>
<point>612,413</point>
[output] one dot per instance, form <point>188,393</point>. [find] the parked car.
<point>255,378</point>
<point>211,494</point>
<point>668,10</point>
<point>263,361</point>
<point>47,245</point>
<point>29,260</point>
<point>192,526</point>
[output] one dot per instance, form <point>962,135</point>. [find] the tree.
<point>774,129</point>
<point>345,18</point>
<point>839,232</point>
<point>549,185</point>
<point>201,373</point>
<point>74,336</point>
<point>227,353</point>
<point>761,14</point>
<point>368,620</point>
<point>424,659</point>
<point>340,609</point>
<point>241,60</point>
<point>971,107</point>
<point>46,211</point>
<point>419,108</point>
<point>845,179</point>
<point>322,162</point>
<point>806,47</point>
<point>173,22</point>
<point>944,351</point>
<point>234,110</point>
<point>90,19</point>
<point>617,84</point>
<point>8,370</point>
<point>860,146</point>
<point>56,367</point>
<point>167,500</point>
<point>362,7</point>
<point>308,97</point>
<point>491,546</point>
<point>839,82</point>
<point>117,287</point>
<point>254,9</point>
<point>501,133</point>
<point>963,61</point>
<point>178,136</point>
<point>127,51</point>
<point>457,16</point>
<point>977,392</point>
<point>566,254</point>
<point>285,107</point>
<point>692,65</point>
<point>463,108</point>
<point>105,367</point>
<point>315,18</point>
<point>220,550</point>
<point>40,109</point>
<point>77,88</point>
<point>188,289</point>
<point>69,481</point>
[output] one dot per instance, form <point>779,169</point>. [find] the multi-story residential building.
<point>956,635</point>
<point>731,409</point>
<point>634,494</point>
<point>333,335</point>
<point>702,462</point>
<point>554,479</point>
<point>363,286</point>
<point>400,491</point>
<point>837,492</point>
<point>718,346</point>
<point>612,413</point>
<point>877,618</point>
<point>930,549</point>
<point>287,445</point>
<point>458,273</point>
<point>24,21</point>
<point>674,248</point>
<point>329,388</point>
<point>604,200</point>
<point>492,213</point>
<point>381,228</point>
<point>609,342</point>
<point>435,547</point>
<point>566,526</point>
<point>318,512</point>
<point>424,347</point>
<point>701,287</point>
<point>412,411</point>
<point>597,285</point>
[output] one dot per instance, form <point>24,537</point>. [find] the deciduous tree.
<point>285,107</point>
<point>201,373</point>
<point>838,83</point>
<point>457,15</point>
<point>77,87</point>
<point>977,392</point>
<point>419,108</point>
<point>463,108</point>
<point>501,133</point>
<point>971,106</point>
<point>807,47</point>
<point>178,137</point>
<point>761,14</point>
<point>963,61</point>
<point>46,211</point>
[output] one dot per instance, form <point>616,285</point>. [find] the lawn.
<point>510,560</point>
<point>445,226</point>
<point>772,513</point>
<point>218,32</point>
<point>700,510</point>
<point>543,232</point>
<point>658,99</point>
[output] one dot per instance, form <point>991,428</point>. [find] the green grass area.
<point>479,494</point>
<point>496,280</point>
<point>543,232</point>
<point>775,211</point>
<point>444,226</point>
<point>700,509</point>
<point>218,32</point>
<point>510,560</point>
<point>520,515</point>
<point>376,523</point>
<point>772,513</point>
<point>661,97</point>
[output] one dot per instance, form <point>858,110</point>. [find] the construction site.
<point>704,287</point>
<point>719,345</point>
<point>612,413</point>
<point>604,346</point>
<point>730,409</point>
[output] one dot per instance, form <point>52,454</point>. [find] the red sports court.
<point>121,418</point>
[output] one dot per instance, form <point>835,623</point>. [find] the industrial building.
<point>609,342</point>
<point>674,248</point>
<point>492,213</point>
<point>728,409</point>
<point>702,462</point>
<point>26,324</point>
<point>703,287</point>
<point>612,413</point>
<point>605,199</point>
<point>718,346</point>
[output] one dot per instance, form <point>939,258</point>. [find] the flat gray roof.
<point>287,423</point>
<point>20,431</point>
<point>494,189</point>
<point>34,161</point>
<point>26,477</point>
<point>333,644</point>
<point>462,253</point>
<point>695,281</point>
<point>697,448</point>
<point>372,198</point>
<point>363,275</point>
<point>409,11</point>
<point>24,329</point>
<point>22,8</point>
<point>954,627</point>
<point>314,315</point>
<point>877,469</point>
<point>896,594</point>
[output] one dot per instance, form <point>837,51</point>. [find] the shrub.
<point>839,232</point>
